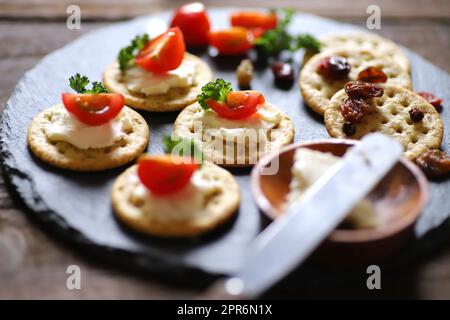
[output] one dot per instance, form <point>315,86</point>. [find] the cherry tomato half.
<point>94,109</point>
<point>164,176</point>
<point>235,40</point>
<point>254,19</point>
<point>239,105</point>
<point>164,53</point>
<point>193,21</point>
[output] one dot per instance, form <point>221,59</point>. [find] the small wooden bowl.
<point>398,200</point>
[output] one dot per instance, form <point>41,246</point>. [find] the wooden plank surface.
<point>40,271</point>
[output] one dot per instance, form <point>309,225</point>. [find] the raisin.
<point>416,114</point>
<point>434,163</point>
<point>244,74</point>
<point>334,68</point>
<point>349,128</point>
<point>354,109</point>
<point>372,75</point>
<point>283,74</point>
<point>431,98</point>
<point>364,90</point>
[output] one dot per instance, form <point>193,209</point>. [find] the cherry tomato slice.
<point>94,109</point>
<point>193,21</point>
<point>162,175</point>
<point>254,19</point>
<point>164,53</point>
<point>239,105</point>
<point>235,40</point>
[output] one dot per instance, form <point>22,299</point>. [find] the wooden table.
<point>31,29</point>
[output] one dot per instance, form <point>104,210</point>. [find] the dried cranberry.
<point>283,74</point>
<point>349,128</point>
<point>434,163</point>
<point>334,68</point>
<point>354,109</point>
<point>416,114</point>
<point>431,98</point>
<point>361,89</point>
<point>372,75</point>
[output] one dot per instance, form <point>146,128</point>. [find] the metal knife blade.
<point>290,239</point>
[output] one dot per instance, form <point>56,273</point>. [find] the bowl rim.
<point>340,235</point>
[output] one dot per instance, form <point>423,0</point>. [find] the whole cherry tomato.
<point>94,109</point>
<point>235,40</point>
<point>164,53</point>
<point>239,105</point>
<point>162,175</point>
<point>193,22</point>
<point>254,19</point>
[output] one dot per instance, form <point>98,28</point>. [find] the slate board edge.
<point>22,187</point>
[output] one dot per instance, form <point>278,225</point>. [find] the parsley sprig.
<point>79,83</point>
<point>128,53</point>
<point>215,90</point>
<point>183,147</point>
<point>276,40</point>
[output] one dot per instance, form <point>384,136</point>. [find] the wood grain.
<point>41,273</point>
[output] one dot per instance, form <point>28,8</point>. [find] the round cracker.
<point>282,134</point>
<point>219,207</point>
<point>174,100</point>
<point>371,42</point>
<point>317,90</point>
<point>66,156</point>
<point>390,116</point>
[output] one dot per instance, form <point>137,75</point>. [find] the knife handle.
<point>223,289</point>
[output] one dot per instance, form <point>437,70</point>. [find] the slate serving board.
<point>77,205</point>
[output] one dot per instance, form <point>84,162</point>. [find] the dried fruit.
<point>334,68</point>
<point>434,163</point>
<point>364,90</point>
<point>431,98</point>
<point>283,74</point>
<point>354,109</point>
<point>244,74</point>
<point>349,128</point>
<point>372,75</point>
<point>416,114</point>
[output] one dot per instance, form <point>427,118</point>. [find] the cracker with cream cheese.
<point>211,198</point>
<point>51,149</point>
<point>235,143</point>
<point>318,90</point>
<point>174,99</point>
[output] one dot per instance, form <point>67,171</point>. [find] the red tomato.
<point>235,40</point>
<point>239,105</point>
<point>164,53</point>
<point>254,19</point>
<point>94,109</point>
<point>193,22</point>
<point>431,98</point>
<point>162,175</point>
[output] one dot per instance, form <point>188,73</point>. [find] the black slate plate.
<point>78,205</point>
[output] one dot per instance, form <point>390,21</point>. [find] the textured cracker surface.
<point>366,41</point>
<point>219,207</point>
<point>317,90</point>
<point>281,135</point>
<point>66,156</point>
<point>175,99</point>
<point>391,116</point>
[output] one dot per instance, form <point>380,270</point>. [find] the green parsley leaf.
<point>276,40</point>
<point>128,53</point>
<point>308,42</point>
<point>216,90</point>
<point>185,147</point>
<point>79,83</point>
